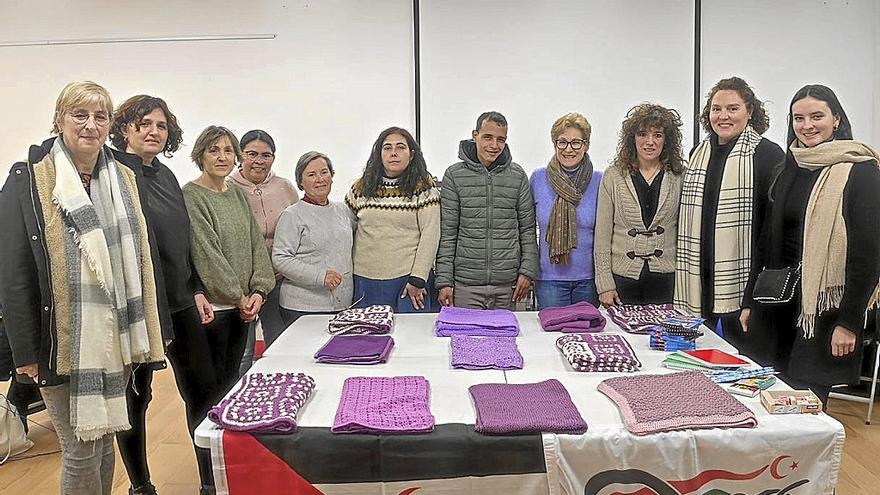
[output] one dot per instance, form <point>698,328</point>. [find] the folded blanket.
<point>581,316</point>
<point>397,404</point>
<point>505,408</point>
<point>677,401</point>
<point>639,319</point>
<point>598,352</point>
<point>479,322</point>
<point>355,349</point>
<point>264,403</point>
<point>481,353</point>
<point>376,319</point>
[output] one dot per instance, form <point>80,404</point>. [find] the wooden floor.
<point>173,466</point>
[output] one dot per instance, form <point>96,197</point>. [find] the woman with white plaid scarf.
<point>78,284</point>
<point>723,200</point>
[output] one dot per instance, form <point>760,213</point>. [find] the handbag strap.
<point>9,407</point>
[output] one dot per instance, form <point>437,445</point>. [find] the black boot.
<point>145,489</point>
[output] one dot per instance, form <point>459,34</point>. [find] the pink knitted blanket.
<point>677,401</point>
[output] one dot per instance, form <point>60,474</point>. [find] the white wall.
<point>342,70</point>
<point>780,46</point>
<point>535,61</point>
<point>338,73</point>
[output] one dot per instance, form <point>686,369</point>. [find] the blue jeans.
<point>558,293</point>
<point>368,292</point>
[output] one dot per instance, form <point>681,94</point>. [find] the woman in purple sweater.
<point>566,193</point>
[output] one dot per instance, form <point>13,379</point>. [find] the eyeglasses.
<point>81,117</point>
<point>575,144</point>
<point>253,155</point>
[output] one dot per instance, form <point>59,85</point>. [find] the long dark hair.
<point>822,93</point>
<point>416,172</point>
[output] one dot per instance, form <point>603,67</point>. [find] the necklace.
<point>650,179</point>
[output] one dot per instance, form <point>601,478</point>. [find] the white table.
<point>571,460</point>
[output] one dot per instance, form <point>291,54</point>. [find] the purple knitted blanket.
<point>397,404</point>
<point>677,401</point>
<point>504,408</point>
<point>598,352</point>
<point>479,322</point>
<point>264,403</point>
<point>481,353</point>
<point>579,317</point>
<point>640,319</point>
<point>355,349</point>
<point>376,319</point>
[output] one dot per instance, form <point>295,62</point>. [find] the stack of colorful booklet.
<point>703,360</point>
<point>676,334</point>
<point>718,365</point>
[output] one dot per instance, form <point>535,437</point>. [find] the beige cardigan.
<point>619,221</point>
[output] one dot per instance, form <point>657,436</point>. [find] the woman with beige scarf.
<point>565,193</point>
<point>823,217</point>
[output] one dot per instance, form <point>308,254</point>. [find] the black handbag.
<point>776,286</point>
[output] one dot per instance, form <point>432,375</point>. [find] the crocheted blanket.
<point>598,352</point>
<point>376,319</point>
<point>397,404</point>
<point>479,322</point>
<point>355,349</point>
<point>639,319</point>
<point>264,403</point>
<point>505,408</point>
<point>579,317</point>
<point>480,353</point>
<point>677,401</point>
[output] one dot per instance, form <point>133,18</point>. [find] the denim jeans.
<point>368,291</point>
<point>86,467</point>
<point>557,293</point>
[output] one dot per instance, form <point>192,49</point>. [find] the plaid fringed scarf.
<point>733,228</point>
<point>825,236</point>
<point>562,228</point>
<point>111,291</point>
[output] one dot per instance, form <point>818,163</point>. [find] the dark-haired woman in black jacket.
<point>824,219</point>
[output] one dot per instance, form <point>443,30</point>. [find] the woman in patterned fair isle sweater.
<point>396,199</point>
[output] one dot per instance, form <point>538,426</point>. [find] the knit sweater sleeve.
<point>528,237</point>
<point>263,276</point>
<point>220,279</point>
<point>286,253</point>
<point>429,235</point>
<point>861,203</point>
<point>450,216</point>
<point>602,235</point>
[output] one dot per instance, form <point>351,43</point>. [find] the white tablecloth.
<point>572,460</point>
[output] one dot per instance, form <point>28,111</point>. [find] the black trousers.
<point>205,360</point>
<point>133,443</point>
<point>650,288</point>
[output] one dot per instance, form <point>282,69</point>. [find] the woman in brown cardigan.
<point>637,218</point>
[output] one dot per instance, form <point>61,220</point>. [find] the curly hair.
<point>416,172</point>
<point>760,121</point>
<point>644,117</point>
<point>132,110</point>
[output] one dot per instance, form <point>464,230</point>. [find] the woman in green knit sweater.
<point>228,252</point>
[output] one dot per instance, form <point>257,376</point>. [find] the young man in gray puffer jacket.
<point>488,254</point>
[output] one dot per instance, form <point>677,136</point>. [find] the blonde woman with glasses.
<point>78,328</point>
